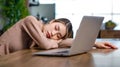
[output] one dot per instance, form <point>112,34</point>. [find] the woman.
<point>29,32</point>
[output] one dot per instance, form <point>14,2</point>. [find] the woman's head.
<point>58,29</point>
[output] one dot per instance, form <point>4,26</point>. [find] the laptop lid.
<point>86,34</point>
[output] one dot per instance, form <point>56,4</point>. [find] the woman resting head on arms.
<point>67,41</point>
<point>68,38</point>
<point>29,32</point>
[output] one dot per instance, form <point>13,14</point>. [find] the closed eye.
<point>57,27</point>
<point>59,36</point>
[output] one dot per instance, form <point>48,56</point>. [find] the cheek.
<point>48,27</point>
<point>63,31</point>
<point>52,26</point>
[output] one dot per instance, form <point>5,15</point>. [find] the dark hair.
<point>69,33</point>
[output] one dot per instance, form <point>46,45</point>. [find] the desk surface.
<point>94,58</point>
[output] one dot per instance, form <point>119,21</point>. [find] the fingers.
<point>112,46</point>
<point>106,47</point>
<point>109,45</point>
<point>58,41</point>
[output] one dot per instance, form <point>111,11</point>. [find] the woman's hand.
<point>56,43</point>
<point>66,43</point>
<point>105,45</point>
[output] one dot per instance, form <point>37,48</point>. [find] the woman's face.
<point>54,30</point>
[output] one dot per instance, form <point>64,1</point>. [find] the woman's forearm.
<point>66,43</point>
<point>33,28</point>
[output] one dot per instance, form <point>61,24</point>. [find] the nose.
<point>54,33</point>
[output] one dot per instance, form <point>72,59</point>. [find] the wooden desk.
<point>94,58</point>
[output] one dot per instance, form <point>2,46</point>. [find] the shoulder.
<point>31,17</point>
<point>31,20</point>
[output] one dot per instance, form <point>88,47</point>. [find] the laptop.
<point>84,40</point>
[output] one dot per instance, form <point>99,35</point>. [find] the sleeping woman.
<point>29,32</point>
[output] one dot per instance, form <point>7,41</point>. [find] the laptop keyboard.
<point>63,51</point>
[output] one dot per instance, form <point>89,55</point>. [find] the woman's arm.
<point>105,45</point>
<point>33,28</point>
<point>68,42</point>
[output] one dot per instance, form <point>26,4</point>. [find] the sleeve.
<point>33,29</point>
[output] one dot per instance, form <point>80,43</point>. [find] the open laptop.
<point>84,40</point>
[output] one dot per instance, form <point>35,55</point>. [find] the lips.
<point>48,34</point>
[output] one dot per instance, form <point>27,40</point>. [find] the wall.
<point>44,10</point>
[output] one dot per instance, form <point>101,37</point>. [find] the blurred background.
<point>13,10</point>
